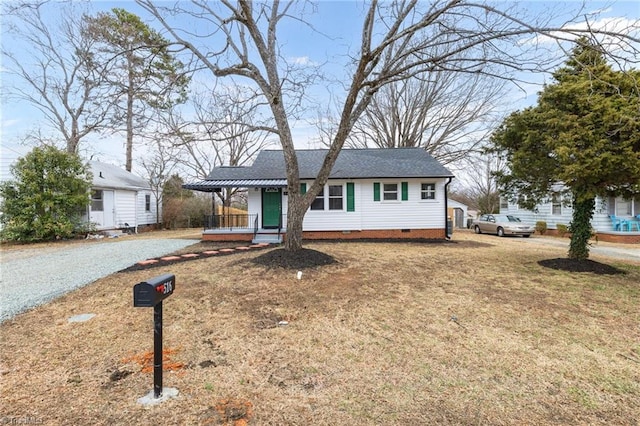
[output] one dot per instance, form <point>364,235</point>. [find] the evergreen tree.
<point>584,133</point>
<point>145,76</point>
<point>46,198</point>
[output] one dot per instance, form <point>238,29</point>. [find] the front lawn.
<point>469,332</point>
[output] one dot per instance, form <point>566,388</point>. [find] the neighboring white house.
<point>370,194</point>
<point>556,210</point>
<point>120,199</point>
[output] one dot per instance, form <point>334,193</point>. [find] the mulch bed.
<point>575,265</point>
<point>301,259</point>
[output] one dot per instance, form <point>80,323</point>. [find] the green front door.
<point>271,207</point>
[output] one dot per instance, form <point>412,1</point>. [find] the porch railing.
<point>231,222</point>
<point>255,227</point>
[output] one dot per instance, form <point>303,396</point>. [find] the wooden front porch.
<point>241,227</point>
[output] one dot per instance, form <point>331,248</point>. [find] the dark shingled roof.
<point>351,164</point>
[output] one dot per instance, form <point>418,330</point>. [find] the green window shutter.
<point>303,188</point>
<point>351,202</point>
<point>405,191</point>
<point>376,191</point>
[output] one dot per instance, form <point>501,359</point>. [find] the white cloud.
<point>10,123</point>
<point>620,25</point>
<point>301,61</point>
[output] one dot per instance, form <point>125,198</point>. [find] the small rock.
<point>81,318</point>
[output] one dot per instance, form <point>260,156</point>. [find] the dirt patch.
<point>575,265</point>
<point>301,259</point>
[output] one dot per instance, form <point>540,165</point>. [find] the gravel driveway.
<point>619,251</point>
<point>30,277</point>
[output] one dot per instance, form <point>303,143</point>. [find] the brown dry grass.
<point>401,334</point>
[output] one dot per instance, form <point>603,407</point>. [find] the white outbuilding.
<point>121,200</point>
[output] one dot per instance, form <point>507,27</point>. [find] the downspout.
<point>446,209</point>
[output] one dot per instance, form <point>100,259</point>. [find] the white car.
<point>501,225</point>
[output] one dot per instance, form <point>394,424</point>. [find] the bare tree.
<point>399,40</point>
<point>477,185</point>
<point>445,113</point>
<point>158,166</point>
<point>57,67</point>
<point>224,127</point>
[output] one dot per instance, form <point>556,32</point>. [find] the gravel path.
<point>31,277</point>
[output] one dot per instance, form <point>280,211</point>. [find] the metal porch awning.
<point>216,185</point>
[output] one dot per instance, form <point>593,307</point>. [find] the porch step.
<point>267,238</point>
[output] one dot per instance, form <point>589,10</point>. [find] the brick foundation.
<point>620,238</point>
<point>377,234</point>
<point>228,237</point>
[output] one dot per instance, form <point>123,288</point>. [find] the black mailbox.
<point>151,292</point>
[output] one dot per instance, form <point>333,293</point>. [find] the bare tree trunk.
<point>130,95</point>
<point>295,217</point>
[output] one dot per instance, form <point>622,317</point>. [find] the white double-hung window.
<point>428,191</point>
<point>331,197</point>
<point>390,191</point>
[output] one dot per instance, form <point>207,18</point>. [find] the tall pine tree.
<point>145,75</point>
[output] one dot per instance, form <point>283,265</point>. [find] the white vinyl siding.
<point>125,206</point>
<point>147,217</point>
<point>413,213</point>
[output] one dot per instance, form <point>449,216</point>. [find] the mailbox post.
<point>148,294</point>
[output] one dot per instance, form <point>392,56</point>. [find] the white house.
<point>120,199</point>
<point>370,194</point>
<point>556,210</point>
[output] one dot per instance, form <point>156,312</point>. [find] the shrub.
<point>186,212</point>
<point>562,229</point>
<point>541,227</point>
<point>42,201</point>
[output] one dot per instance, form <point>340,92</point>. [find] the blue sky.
<point>337,32</point>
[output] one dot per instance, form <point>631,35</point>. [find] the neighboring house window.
<point>335,197</point>
<point>623,207</point>
<point>504,203</point>
<point>428,191</point>
<point>97,204</point>
<point>318,203</point>
<point>556,204</point>
<point>390,191</point>
<point>147,203</point>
